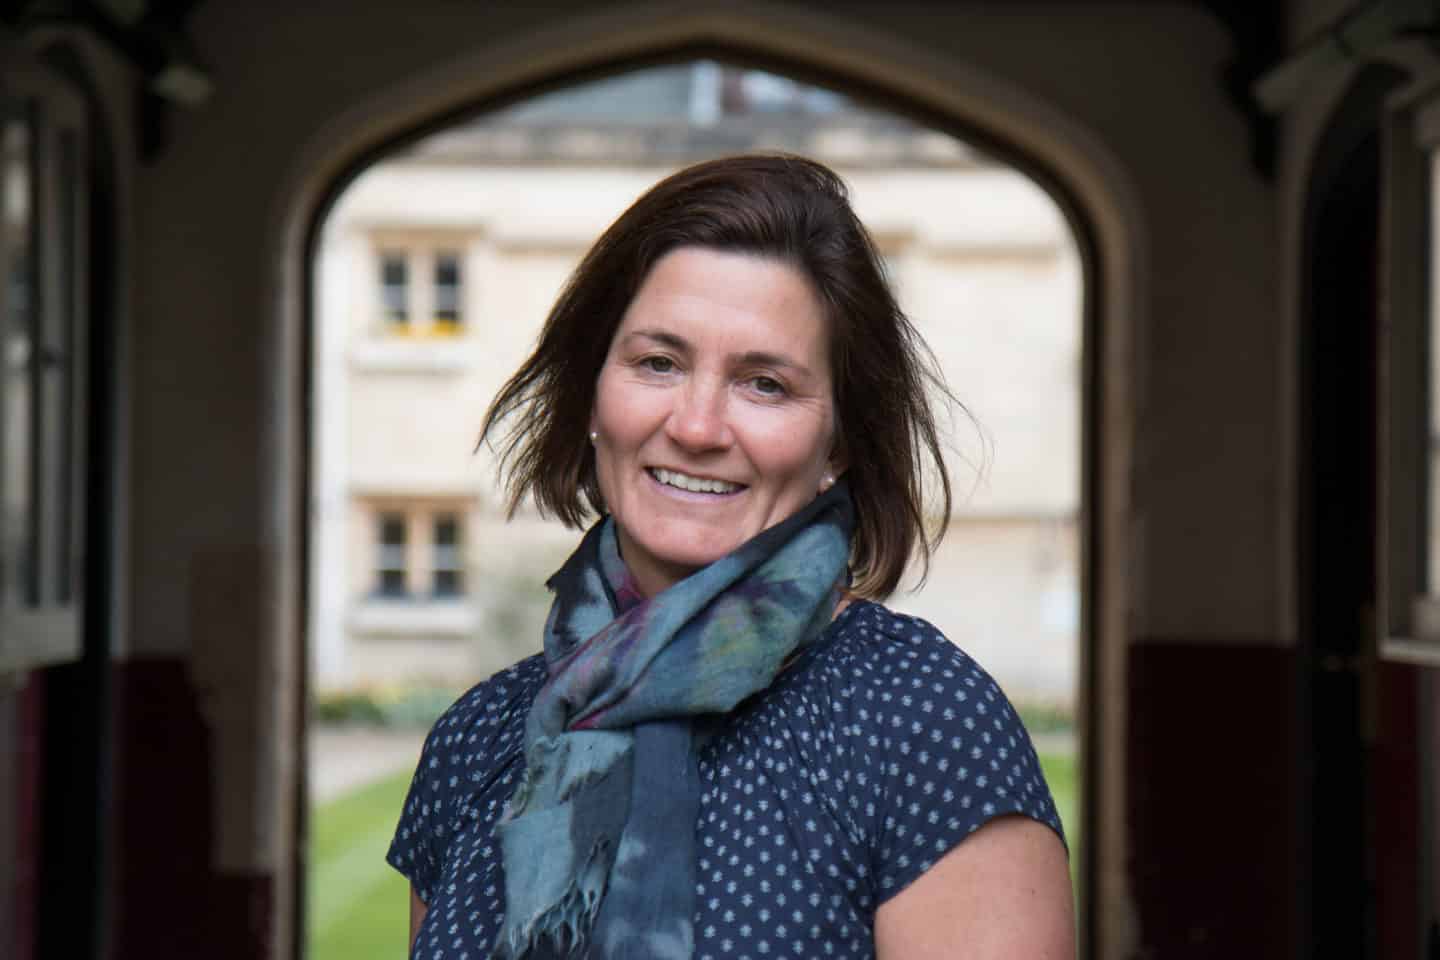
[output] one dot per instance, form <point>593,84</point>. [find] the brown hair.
<point>796,211</point>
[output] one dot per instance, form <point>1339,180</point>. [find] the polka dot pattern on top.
<point>880,749</point>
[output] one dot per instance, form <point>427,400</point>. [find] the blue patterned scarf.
<point>599,840</point>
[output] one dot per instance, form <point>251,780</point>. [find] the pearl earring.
<point>826,482</point>
<point>594,435</point>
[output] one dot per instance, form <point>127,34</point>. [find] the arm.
<point>417,915</point>
<point>1002,893</point>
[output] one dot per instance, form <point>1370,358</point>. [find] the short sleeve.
<point>415,848</point>
<point>952,753</point>
<point>476,740</point>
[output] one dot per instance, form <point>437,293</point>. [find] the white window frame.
<point>420,551</point>
<point>44,629</point>
<point>439,327</point>
<point>452,560</point>
<point>421,252</point>
<point>382,566</point>
<point>1407,611</point>
<point>391,326</point>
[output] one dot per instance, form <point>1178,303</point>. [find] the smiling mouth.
<point>683,481</point>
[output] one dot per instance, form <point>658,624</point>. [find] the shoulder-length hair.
<point>796,211</point>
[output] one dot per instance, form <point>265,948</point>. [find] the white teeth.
<point>693,484</point>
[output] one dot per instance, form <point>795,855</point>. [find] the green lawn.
<point>1060,774</point>
<point>359,906</point>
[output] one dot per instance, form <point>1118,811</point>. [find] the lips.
<point>692,483</point>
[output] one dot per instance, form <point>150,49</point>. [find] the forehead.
<point>721,295</point>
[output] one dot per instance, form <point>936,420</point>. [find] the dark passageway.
<point>1259,759</point>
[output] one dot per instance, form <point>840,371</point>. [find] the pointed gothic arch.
<point>1077,170</point>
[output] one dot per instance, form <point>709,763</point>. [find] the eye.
<point>658,364</point>
<point>768,386</point>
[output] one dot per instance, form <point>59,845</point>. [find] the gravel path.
<point>346,758</point>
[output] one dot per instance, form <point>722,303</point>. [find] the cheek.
<point>608,416</point>
<point>624,416</point>
<point>796,462</point>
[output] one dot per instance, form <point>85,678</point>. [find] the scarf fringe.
<point>559,930</point>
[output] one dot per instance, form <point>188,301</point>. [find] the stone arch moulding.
<point>1066,158</point>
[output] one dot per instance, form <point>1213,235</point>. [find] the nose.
<point>698,419</point>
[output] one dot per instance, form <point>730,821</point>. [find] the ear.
<point>839,460</point>
<point>834,466</point>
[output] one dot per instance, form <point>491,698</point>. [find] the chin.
<point>692,558</point>
<point>689,561</point>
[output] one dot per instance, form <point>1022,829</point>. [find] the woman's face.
<point>713,416</point>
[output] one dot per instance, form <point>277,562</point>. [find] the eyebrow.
<point>751,357</point>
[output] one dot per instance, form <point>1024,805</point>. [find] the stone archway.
<point>1064,157</point>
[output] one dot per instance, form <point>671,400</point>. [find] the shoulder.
<point>931,718</point>
<point>880,647</point>
<point>910,680</point>
<point>894,682</point>
<point>488,719</point>
<point>467,764</point>
<point>946,750</point>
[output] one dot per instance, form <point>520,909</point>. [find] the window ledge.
<point>410,356</point>
<point>380,617</point>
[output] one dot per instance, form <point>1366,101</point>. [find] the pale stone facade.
<point>982,260</point>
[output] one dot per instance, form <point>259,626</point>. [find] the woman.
<point>728,749</point>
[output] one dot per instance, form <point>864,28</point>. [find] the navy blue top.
<point>881,748</point>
